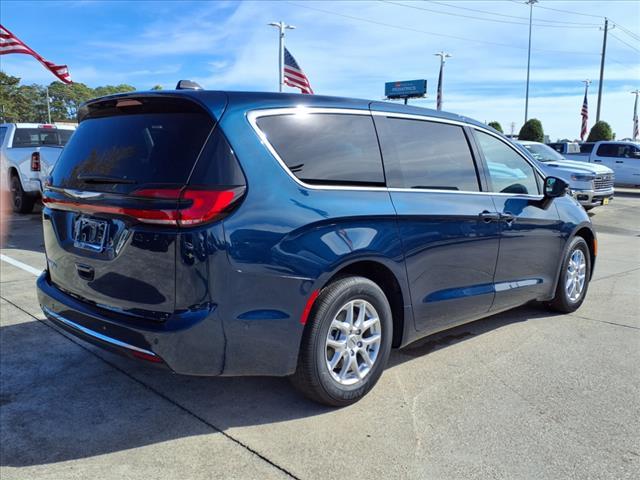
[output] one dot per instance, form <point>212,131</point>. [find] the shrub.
<point>497,126</point>
<point>532,131</point>
<point>600,131</point>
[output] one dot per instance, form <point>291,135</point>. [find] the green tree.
<point>600,131</point>
<point>156,87</point>
<point>532,131</point>
<point>112,89</point>
<point>66,99</point>
<point>497,126</point>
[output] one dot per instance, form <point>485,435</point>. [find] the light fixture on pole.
<point>281,26</point>
<point>526,101</point>
<point>443,56</point>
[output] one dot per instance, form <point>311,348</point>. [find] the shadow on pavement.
<point>59,403</point>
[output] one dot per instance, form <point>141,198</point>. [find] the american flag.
<point>9,43</point>
<point>635,119</point>
<point>293,74</point>
<point>585,116</point>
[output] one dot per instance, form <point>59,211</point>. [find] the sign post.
<point>405,89</point>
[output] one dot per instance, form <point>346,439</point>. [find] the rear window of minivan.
<point>147,146</point>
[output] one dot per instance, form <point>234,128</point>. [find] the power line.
<point>628,32</point>
<point>415,7</point>
<point>562,11</point>
<point>512,16</point>
<point>573,12</point>
<point>622,41</point>
<point>415,30</point>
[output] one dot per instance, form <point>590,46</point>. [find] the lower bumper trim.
<point>97,335</point>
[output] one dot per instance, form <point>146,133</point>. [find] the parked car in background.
<point>590,184</point>
<point>622,157</point>
<point>240,233</point>
<point>565,147</point>
<point>28,152</point>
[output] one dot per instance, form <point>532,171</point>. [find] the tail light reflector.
<point>35,162</point>
<point>193,207</point>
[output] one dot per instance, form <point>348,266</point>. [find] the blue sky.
<point>350,49</point>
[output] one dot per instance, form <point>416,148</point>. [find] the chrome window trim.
<point>95,334</point>
<point>254,115</point>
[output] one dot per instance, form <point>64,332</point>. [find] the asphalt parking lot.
<point>525,394</point>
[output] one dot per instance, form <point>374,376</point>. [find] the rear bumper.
<point>189,343</point>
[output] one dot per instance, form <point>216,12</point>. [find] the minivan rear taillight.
<point>35,162</point>
<point>155,206</point>
<point>194,206</point>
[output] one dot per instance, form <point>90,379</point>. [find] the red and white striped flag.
<point>293,74</point>
<point>585,116</point>
<point>9,43</point>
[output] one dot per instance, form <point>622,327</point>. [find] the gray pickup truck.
<point>28,152</point>
<point>621,157</point>
<point>590,185</point>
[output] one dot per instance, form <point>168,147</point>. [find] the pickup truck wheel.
<point>346,342</point>
<point>20,201</point>
<point>574,277</point>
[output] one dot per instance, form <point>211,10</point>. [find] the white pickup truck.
<point>621,157</point>
<point>28,152</point>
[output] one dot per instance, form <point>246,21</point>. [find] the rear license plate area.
<point>90,233</point>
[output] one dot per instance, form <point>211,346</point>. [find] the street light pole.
<point>443,56</point>
<point>281,26</point>
<point>526,101</point>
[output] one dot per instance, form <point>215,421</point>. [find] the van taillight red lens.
<point>192,207</point>
<point>35,162</point>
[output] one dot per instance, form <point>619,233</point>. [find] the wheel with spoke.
<point>346,342</point>
<point>20,200</point>
<point>574,277</point>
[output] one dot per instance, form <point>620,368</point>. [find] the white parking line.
<point>20,265</point>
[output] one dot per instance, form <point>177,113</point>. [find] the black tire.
<point>561,302</point>
<point>313,377</point>
<point>20,201</point>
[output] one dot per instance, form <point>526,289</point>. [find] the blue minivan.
<point>234,233</point>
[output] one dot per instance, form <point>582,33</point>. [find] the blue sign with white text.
<point>405,89</point>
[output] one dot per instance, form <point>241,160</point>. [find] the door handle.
<point>488,217</point>
<point>619,161</point>
<point>597,161</point>
<point>508,217</point>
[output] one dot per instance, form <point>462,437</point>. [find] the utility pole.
<point>526,99</point>
<point>635,133</point>
<point>48,106</point>
<point>604,52</point>
<point>443,56</point>
<point>281,26</point>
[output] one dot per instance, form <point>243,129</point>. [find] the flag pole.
<point>281,26</point>
<point>635,133</point>
<point>583,131</point>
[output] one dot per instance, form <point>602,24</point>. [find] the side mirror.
<point>555,187</point>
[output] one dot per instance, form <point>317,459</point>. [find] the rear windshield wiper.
<point>89,178</point>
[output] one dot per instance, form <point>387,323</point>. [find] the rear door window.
<point>329,149</point>
<point>117,151</point>
<point>429,155</point>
